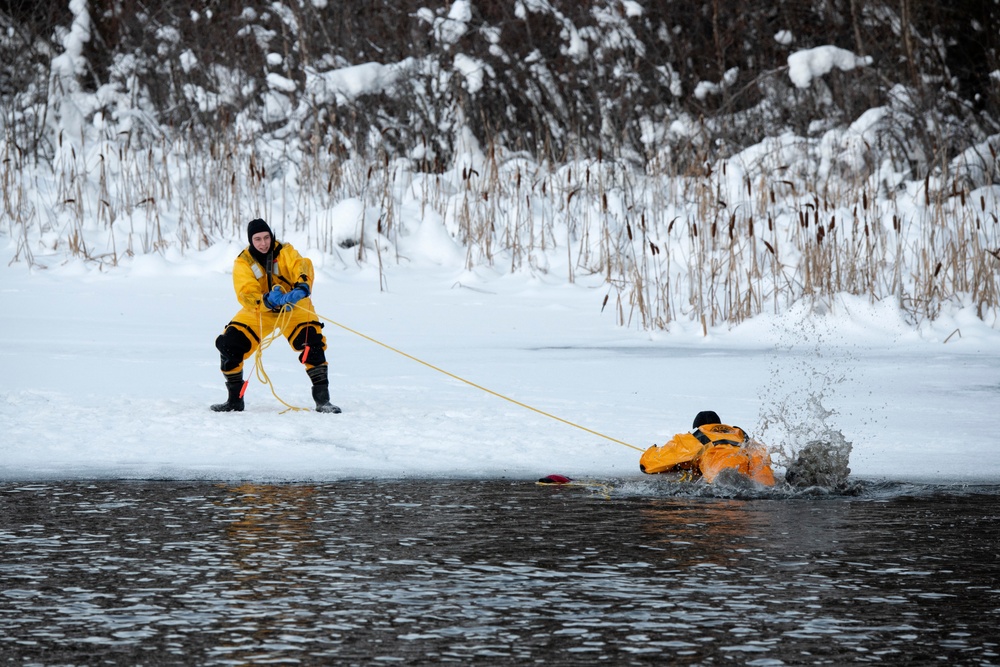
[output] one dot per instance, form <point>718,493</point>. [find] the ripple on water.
<point>428,571</point>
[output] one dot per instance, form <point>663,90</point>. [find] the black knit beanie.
<point>256,227</point>
<point>706,417</point>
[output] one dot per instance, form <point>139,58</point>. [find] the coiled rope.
<point>267,340</point>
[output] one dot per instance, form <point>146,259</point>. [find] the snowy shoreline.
<point>110,374</point>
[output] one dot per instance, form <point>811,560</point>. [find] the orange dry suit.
<point>708,450</point>
<point>255,321</point>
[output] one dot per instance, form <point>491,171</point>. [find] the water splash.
<point>812,450</point>
<point>823,464</point>
<point>796,423</point>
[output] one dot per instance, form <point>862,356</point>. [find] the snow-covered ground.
<point>110,375</point>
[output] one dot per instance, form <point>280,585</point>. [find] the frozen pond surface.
<point>635,571</point>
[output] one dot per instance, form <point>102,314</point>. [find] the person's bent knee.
<point>311,346</point>
<point>233,346</point>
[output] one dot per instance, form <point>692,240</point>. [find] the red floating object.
<point>555,479</point>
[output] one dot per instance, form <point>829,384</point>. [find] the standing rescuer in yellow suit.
<point>708,449</point>
<point>272,279</point>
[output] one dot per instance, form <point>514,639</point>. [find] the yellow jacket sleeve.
<point>681,448</point>
<point>295,267</point>
<point>249,290</point>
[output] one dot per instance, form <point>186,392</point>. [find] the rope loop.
<point>265,342</point>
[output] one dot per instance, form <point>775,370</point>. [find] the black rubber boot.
<point>234,385</point>
<point>321,390</point>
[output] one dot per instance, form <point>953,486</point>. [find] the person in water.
<point>707,450</point>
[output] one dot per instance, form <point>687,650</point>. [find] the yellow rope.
<point>469,382</point>
<point>265,342</point>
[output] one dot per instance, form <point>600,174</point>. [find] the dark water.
<point>496,572</point>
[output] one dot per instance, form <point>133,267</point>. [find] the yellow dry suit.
<point>252,280</point>
<point>709,449</point>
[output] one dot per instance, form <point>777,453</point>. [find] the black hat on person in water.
<point>706,417</point>
<point>256,227</point>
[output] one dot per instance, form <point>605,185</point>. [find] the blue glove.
<point>296,295</point>
<point>304,287</point>
<point>275,299</point>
